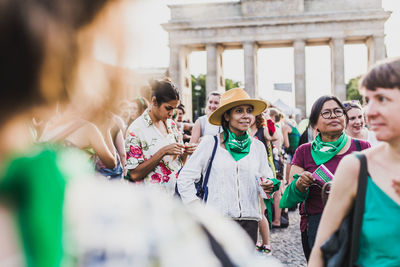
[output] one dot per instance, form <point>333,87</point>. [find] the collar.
<point>148,121</point>
<point>147,118</point>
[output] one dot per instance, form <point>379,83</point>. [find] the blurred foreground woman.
<point>379,235</point>
<point>53,212</point>
<point>38,56</point>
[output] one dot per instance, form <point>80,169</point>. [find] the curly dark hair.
<point>261,122</point>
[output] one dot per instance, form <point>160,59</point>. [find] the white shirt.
<point>232,185</point>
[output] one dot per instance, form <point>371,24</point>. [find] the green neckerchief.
<point>237,146</point>
<point>322,152</point>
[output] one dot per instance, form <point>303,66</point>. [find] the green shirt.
<point>34,184</point>
<point>379,237</point>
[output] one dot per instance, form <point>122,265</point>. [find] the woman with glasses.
<point>356,126</point>
<point>379,235</point>
<point>331,144</point>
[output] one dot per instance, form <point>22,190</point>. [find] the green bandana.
<point>237,146</point>
<point>322,152</point>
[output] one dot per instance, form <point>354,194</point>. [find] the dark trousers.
<point>306,247</point>
<point>251,228</point>
<point>308,237</point>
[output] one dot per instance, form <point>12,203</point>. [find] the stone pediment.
<point>254,9</point>
<point>257,8</point>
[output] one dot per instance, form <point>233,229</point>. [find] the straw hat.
<point>236,97</point>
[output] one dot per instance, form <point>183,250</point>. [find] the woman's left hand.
<point>268,186</point>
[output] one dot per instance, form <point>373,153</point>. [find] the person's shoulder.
<point>304,147</point>
<point>258,144</point>
<point>89,128</point>
<point>119,122</point>
<point>137,124</point>
<point>375,150</point>
<point>364,144</point>
<point>208,139</point>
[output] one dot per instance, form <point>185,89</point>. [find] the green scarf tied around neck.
<point>237,146</point>
<point>322,152</point>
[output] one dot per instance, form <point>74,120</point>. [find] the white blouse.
<point>232,185</point>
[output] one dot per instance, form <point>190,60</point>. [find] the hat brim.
<point>258,105</point>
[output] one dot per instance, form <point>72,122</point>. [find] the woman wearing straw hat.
<point>239,165</point>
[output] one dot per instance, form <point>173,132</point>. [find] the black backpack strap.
<point>358,145</point>
<point>205,188</point>
<point>358,207</point>
<point>218,250</point>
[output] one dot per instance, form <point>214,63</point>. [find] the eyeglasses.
<point>327,113</point>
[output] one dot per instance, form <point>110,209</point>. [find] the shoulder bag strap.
<point>358,208</point>
<point>209,169</point>
<point>358,145</point>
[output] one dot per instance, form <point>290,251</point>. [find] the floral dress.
<point>143,140</point>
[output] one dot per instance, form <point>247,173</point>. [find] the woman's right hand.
<point>304,182</point>
<point>173,149</point>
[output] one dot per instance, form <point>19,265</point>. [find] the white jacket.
<point>232,185</point>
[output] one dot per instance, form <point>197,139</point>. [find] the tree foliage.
<point>229,84</point>
<point>199,96</point>
<point>352,90</point>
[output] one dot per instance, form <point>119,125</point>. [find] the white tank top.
<point>208,128</point>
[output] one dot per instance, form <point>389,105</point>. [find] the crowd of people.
<point>98,179</point>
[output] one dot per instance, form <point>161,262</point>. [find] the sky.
<point>148,48</point>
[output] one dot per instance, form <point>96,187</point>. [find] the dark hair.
<point>261,122</point>
<point>164,91</point>
<point>24,48</point>
<point>317,107</point>
<point>304,136</point>
<point>181,107</point>
<point>225,124</point>
<point>385,75</point>
<point>22,53</point>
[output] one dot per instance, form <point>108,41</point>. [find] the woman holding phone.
<point>154,147</point>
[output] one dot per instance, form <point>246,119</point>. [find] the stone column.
<point>215,79</point>
<point>180,75</point>
<point>185,81</point>
<point>376,49</point>
<point>250,68</point>
<point>300,75</point>
<point>337,68</point>
<point>174,64</point>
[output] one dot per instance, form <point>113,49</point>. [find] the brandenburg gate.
<point>253,24</point>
